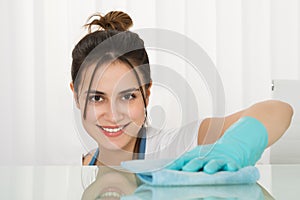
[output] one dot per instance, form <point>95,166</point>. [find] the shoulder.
<point>86,159</point>
<point>168,143</point>
<point>193,125</point>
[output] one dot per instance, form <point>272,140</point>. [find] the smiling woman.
<point>111,84</point>
<point>110,89</point>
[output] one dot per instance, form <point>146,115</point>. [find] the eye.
<point>129,96</point>
<point>95,98</point>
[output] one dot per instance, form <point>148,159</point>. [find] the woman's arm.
<point>274,115</point>
<point>245,136</point>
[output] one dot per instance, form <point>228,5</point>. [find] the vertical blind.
<point>250,43</point>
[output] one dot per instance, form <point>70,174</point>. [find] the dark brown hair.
<point>110,42</point>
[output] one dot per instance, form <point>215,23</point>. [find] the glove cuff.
<point>252,137</point>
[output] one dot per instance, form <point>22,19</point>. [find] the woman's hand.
<point>241,145</point>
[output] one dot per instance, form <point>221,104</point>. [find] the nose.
<point>113,113</point>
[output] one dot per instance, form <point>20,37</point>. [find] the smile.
<point>112,131</point>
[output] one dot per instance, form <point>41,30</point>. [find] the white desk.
<point>282,181</point>
<point>71,182</point>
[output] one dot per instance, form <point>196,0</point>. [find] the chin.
<point>116,145</point>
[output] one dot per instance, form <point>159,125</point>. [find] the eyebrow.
<point>102,93</point>
<point>129,90</point>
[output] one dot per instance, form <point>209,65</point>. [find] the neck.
<point>110,157</point>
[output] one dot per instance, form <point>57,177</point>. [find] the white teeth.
<point>111,194</point>
<point>112,130</point>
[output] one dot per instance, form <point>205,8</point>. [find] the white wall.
<point>251,42</point>
<point>285,72</point>
<point>286,150</point>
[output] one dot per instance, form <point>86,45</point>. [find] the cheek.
<point>90,115</point>
<point>136,112</point>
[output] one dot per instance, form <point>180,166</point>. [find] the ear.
<point>148,92</point>
<point>75,95</point>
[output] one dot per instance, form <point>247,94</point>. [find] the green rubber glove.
<point>241,145</point>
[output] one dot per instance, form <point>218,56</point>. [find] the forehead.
<point>110,76</point>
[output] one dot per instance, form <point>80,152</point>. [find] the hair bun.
<point>114,20</point>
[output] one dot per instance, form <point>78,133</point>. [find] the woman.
<point>111,84</point>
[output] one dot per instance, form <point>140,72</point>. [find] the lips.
<point>112,131</point>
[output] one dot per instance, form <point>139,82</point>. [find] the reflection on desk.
<point>115,184</point>
<point>91,183</point>
<point>247,191</point>
<point>109,184</point>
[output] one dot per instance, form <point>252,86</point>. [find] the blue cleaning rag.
<point>152,172</point>
<point>242,192</point>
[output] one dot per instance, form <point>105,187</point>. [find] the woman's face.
<point>115,108</point>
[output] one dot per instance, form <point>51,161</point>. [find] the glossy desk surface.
<point>75,182</point>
